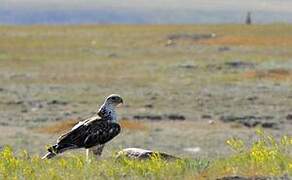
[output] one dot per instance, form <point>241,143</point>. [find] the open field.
<point>186,87</point>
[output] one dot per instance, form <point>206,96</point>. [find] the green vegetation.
<point>265,157</point>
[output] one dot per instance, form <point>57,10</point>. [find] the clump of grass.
<point>272,74</point>
<point>264,157</point>
<point>25,167</point>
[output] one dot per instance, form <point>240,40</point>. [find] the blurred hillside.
<point>139,12</point>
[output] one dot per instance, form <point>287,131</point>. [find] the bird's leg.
<point>96,151</point>
<point>87,156</point>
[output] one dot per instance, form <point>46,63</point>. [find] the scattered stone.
<point>248,117</point>
<point>239,64</point>
<point>242,178</point>
<point>24,110</point>
<point>169,42</point>
<point>252,98</point>
<point>224,48</point>
<point>57,102</point>
<point>206,116</point>
<point>35,105</point>
<point>175,117</point>
<point>192,149</point>
<point>148,106</point>
<point>143,154</point>
<point>187,66</point>
<point>272,125</point>
<point>285,177</point>
<point>34,109</point>
<point>41,119</point>
<point>251,124</point>
<point>213,67</point>
<point>67,113</point>
<point>112,55</point>
<point>211,122</point>
<point>4,124</point>
<point>194,37</point>
<point>251,121</point>
<point>149,117</point>
<point>289,117</point>
<point>15,102</point>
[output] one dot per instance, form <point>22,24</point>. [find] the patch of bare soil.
<point>272,74</point>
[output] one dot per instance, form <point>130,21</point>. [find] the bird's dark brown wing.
<point>86,135</point>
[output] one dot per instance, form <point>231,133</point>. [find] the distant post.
<point>248,20</point>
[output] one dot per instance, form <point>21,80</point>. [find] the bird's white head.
<point>114,100</point>
<point>107,110</point>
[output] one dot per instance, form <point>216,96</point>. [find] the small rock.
<point>34,109</point>
<point>251,121</point>
<point>4,124</point>
<point>57,102</point>
<point>112,55</point>
<point>224,48</point>
<point>67,114</point>
<point>15,102</point>
<point>252,98</point>
<point>169,42</point>
<point>187,66</point>
<point>272,125</point>
<point>175,117</point>
<point>239,64</point>
<point>41,119</point>
<point>193,149</point>
<point>214,67</point>
<point>194,37</point>
<point>289,117</point>
<point>206,116</point>
<point>235,178</point>
<point>149,117</point>
<point>24,110</point>
<point>251,124</point>
<point>148,106</point>
<point>211,122</point>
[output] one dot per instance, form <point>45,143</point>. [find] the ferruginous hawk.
<point>91,133</point>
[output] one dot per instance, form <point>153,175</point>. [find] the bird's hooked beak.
<point>121,103</point>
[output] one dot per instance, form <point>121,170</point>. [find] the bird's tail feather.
<point>52,152</point>
<point>49,155</point>
<point>58,149</point>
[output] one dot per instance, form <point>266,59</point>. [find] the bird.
<point>143,154</point>
<point>91,133</point>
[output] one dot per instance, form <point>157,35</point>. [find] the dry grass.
<point>133,125</point>
<point>272,74</point>
<point>58,128</point>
